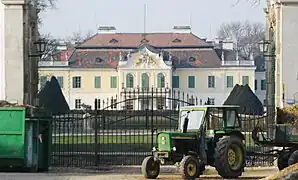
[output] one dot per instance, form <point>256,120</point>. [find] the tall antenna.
<point>190,20</point>
<point>145,20</point>
<point>210,31</point>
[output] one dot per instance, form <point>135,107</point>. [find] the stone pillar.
<point>2,52</point>
<point>14,50</point>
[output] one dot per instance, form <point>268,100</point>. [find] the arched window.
<point>129,80</point>
<point>145,80</point>
<point>160,80</point>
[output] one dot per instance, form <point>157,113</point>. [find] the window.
<point>245,80</point>
<point>129,101</point>
<point>98,60</point>
<point>76,82</point>
<point>176,104</point>
<point>191,82</point>
<point>211,81</point>
<point>176,40</point>
<point>231,118</point>
<point>160,103</point>
<point>175,81</point>
<point>78,103</point>
<point>191,59</point>
<point>263,84</point>
<point>230,82</point>
<point>129,80</point>
<point>160,80</point>
<point>113,82</point>
<point>97,82</point>
<point>191,101</point>
<point>113,41</point>
<point>43,81</point>
<point>97,104</point>
<point>60,81</point>
<point>145,80</point>
<point>145,103</point>
<point>211,101</point>
<point>256,84</point>
<point>195,119</point>
<point>113,103</point>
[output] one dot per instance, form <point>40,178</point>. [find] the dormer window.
<point>98,60</point>
<point>191,59</point>
<point>144,41</point>
<point>176,40</point>
<point>113,41</point>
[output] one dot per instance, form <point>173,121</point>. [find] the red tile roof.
<point>136,39</point>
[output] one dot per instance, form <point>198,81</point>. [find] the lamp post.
<point>267,47</point>
<point>40,47</point>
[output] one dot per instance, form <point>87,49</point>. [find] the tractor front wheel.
<point>293,159</point>
<point>190,167</point>
<point>230,157</point>
<point>282,161</point>
<point>150,168</point>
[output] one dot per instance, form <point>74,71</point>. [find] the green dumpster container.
<point>38,140</point>
<point>24,142</point>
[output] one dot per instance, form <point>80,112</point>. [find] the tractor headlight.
<point>154,149</point>
<point>163,140</point>
<point>174,149</point>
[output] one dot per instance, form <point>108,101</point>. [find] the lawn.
<point>119,139</point>
<point>104,139</point>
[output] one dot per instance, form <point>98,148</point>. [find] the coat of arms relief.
<point>145,59</point>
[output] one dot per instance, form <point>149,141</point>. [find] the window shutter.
<point>191,82</point>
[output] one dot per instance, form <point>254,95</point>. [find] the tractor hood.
<point>166,139</point>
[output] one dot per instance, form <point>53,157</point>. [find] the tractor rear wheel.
<point>190,167</point>
<point>230,157</point>
<point>150,168</point>
<point>282,161</point>
<point>293,159</point>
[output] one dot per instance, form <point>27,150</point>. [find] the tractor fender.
<point>233,133</point>
<point>192,153</point>
<point>237,134</point>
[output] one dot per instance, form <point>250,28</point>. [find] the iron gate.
<point>122,131</point>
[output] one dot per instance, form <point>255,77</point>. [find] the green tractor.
<point>207,135</point>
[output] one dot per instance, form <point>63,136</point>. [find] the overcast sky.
<point>205,16</point>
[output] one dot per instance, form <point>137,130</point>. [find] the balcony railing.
<point>52,63</point>
<point>238,63</point>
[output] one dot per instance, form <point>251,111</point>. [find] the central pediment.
<point>144,58</point>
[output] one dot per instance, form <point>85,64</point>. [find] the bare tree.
<point>252,2</point>
<point>51,47</point>
<point>78,36</point>
<point>42,6</point>
<point>246,35</point>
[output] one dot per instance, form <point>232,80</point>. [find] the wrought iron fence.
<point>123,131</point>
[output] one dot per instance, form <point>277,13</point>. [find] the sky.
<point>204,16</point>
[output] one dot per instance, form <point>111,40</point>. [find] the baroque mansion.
<point>108,63</point>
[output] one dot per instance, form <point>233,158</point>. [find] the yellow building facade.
<point>106,77</point>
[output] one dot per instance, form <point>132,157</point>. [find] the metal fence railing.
<point>125,136</point>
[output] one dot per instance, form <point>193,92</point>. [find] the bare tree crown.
<point>245,34</point>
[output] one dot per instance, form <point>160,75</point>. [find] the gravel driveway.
<point>125,173</point>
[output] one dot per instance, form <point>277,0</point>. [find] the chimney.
<point>204,39</point>
<point>106,29</point>
<point>228,45</point>
<point>182,29</point>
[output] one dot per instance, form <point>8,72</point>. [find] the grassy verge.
<point>104,139</point>
<point>119,139</point>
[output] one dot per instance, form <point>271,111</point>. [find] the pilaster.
<point>13,50</point>
<point>2,52</point>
